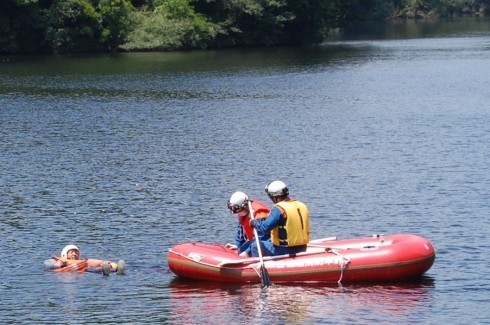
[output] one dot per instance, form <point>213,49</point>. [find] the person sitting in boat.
<point>70,261</point>
<point>238,204</point>
<point>288,223</point>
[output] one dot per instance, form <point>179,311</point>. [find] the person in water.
<point>70,255</point>
<point>238,204</point>
<point>288,223</point>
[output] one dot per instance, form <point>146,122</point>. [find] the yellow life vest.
<point>294,229</point>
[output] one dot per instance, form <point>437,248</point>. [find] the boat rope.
<point>344,261</point>
<point>256,269</point>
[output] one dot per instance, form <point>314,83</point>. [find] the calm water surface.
<point>129,155</point>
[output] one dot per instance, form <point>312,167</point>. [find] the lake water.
<point>128,155</point>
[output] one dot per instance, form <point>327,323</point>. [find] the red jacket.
<point>261,211</point>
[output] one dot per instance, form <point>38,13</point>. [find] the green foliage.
<point>247,22</point>
<point>145,4</point>
<point>367,10</point>
<point>72,26</point>
<point>412,7</point>
<point>313,20</point>
<point>116,22</point>
<point>20,26</point>
<point>458,7</point>
<point>172,25</point>
<point>175,9</point>
<point>28,26</point>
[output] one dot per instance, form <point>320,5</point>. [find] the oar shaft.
<point>256,235</point>
<point>265,276</point>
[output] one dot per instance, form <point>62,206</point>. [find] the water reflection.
<point>403,29</point>
<point>131,154</point>
<point>294,304</point>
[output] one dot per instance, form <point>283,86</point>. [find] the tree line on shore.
<point>73,26</point>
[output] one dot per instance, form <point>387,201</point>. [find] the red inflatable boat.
<point>374,259</point>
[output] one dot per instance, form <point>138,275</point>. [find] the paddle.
<point>264,275</point>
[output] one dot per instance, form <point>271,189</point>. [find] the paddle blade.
<point>264,277</point>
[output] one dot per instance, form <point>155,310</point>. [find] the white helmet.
<point>237,202</point>
<point>67,248</point>
<point>276,189</point>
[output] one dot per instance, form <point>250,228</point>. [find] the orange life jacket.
<point>71,265</point>
<point>80,265</point>
<point>261,211</point>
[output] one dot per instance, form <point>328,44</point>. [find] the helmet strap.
<point>277,199</point>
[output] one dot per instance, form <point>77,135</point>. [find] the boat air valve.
<point>379,236</point>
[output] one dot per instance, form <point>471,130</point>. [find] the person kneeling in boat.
<point>238,204</point>
<point>288,224</point>
<point>70,261</point>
